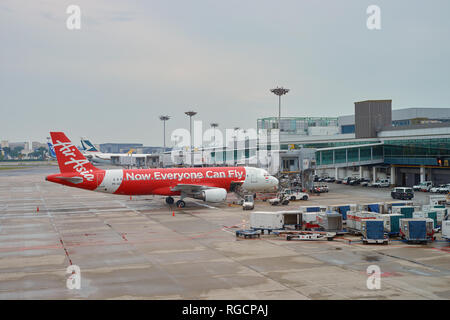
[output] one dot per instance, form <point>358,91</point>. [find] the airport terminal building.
<point>407,145</point>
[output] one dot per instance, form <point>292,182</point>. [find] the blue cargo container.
<point>312,209</point>
<point>414,229</point>
<point>343,211</point>
<point>399,204</point>
<point>375,207</point>
<point>372,231</point>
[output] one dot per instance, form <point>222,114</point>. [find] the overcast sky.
<point>135,60</point>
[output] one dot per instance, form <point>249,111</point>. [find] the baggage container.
<point>414,230</point>
<point>446,230</point>
<point>440,215</point>
<point>376,207</point>
<point>392,223</point>
<point>330,221</point>
<point>372,231</point>
<point>310,220</point>
<point>362,207</point>
<point>342,209</point>
<point>406,211</point>
<point>312,209</point>
<point>354,219</point>
<point>437,200</point>
<point>390,204</point>
<point>260,220</point>
<point>418,215</point>
<point>432,215</point>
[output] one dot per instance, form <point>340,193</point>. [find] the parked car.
<point>364,182</point>
<point>353,181</point>
<point>423,186</point>
<point>330,179</point>
<point>338,181</point>
<point>437,188</point>
<point>402,193</point>
<point>445,189</point>
<point>383,183</point>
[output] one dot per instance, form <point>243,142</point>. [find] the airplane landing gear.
<point>169,200</point>
<point>181,204</point>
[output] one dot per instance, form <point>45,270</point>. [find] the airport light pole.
<point>214,125</point>
<point>235,152</point>
<point>164,119</point>
<point>279,92</point>
<point>190,114</point>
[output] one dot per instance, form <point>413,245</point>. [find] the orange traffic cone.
<point>37,209</point>
<point>173,213</point>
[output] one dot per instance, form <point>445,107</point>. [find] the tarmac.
<point>142,248</point>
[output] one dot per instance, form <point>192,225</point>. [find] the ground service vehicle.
<point>402,193</point>
<point>281,198</point>
<point>423,186</point>
<point>383,183</point>
<point>249,202</point>
<point>296,195</point>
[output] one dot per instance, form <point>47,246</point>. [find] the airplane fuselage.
<point>162,181</point>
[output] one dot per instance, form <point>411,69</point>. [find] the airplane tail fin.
<point>51,150</point>
<point>70,159</point>
<point>87,145</point>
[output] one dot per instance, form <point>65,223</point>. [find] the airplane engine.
<point>214,195</point>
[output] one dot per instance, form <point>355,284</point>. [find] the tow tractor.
<point>248,203</point>
<point>294,194</point>
<point>281,198</point>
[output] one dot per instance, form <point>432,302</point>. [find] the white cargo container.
<point>354,218</point>
<point>274,220</point>
<point>440,214</point>
<point>419,215</point>
<point>446,229</point>
<point>310,217</point>
<point>437,200</point>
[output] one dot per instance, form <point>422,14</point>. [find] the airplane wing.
<point>190,188</point>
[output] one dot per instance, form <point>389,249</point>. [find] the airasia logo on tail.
<point>68,150</point>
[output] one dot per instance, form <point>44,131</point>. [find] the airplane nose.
<point>274,181</point>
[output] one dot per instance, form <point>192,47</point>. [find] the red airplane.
<point>209,184</point>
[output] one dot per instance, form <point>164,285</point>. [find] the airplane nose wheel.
<point>181,204</point>
<point>169,200</point>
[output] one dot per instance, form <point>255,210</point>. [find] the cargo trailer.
<point>414,230</point>
<point>270,221</point>
<point>392,223</point>
<point>330,221</point>
<point>372,231</point>
<point>354,220</point>
<point>406,211</point>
